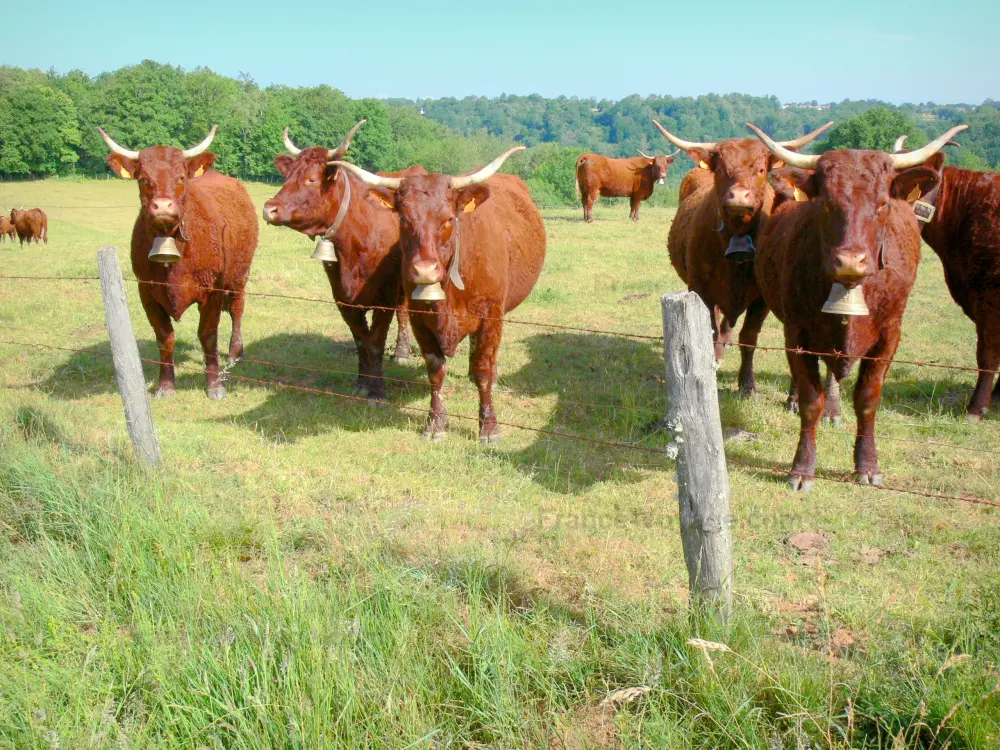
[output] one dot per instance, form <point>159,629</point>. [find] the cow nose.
<point>270,212</point>
<point>164,206</point>
<point>850,266</point>
<point>426,272</point>
<point>738,198</point>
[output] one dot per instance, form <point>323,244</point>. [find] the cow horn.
<point>898,145</point>
<point>368,178</point>
<point>337,153</point>
<point>478,178</point>
<point>645,155</point>
<point>791,158</point>
<point>681,143</point>
<point>807,138</point>
<point>116,148</point>
<point>913,158</point>
<point>203,146</point>
<point>292,148</point>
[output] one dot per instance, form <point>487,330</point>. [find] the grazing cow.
<point>616,178</point>
<point>30,225</point>
<point>214,224</point>
<point>484,243</point>
<point>725,201</point>
<point>853,228</point>
<point>321,200</point>
<point>6,229</point>
<point>964,230</point>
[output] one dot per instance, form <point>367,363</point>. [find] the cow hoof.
<point>873,478</point>
<point>434,436</point>
<point>747,392</point>
<point>792,406</point>
<point>799,483</point>
<point>491,439</point>
<point>401,358</point>
<point>832,421</point>
<point>377,402</point>
<point>216,392</point>
<point>973,418</point>
<point>164,393</point>
<point>359,389</point>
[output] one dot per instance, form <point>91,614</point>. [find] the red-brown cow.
<point>964,230</point>
<point>30,225</point>
<point>854,229</point>
<point>214,224</point>
<point>617,178</point>
<point>713,233</point>
<point>484,242</point>
<point>7,229</point>
<point>321,200</point>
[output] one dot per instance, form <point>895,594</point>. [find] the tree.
<point>875,129</point>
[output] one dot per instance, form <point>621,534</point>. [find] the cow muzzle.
<point>426,272</point>
<point>739,201</point>
<point>849,267</point>
<point>270,212</point>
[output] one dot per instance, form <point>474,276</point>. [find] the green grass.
<point>306,572</point>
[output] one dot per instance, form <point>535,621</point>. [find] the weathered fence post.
<point>702,477</point>
<point>125,352</point>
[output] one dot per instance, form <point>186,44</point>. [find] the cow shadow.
<point>605,424</point>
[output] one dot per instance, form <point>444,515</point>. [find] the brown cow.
<point>484,242</point>
<point>30,225</point>
<point>617,178</point>
<point>214,224</point>
<point>6,229</point>
<point>714,230</point>
<point>853,229</point>
<point>964,231</point>
<point>368,271</point>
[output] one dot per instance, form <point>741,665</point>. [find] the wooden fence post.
<point>125,352</point>
<point>702,476</point>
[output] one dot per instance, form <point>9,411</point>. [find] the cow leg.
<point>208,334</point>
<point>831,412</point>
<point>163,329</point>
<point>235,303</point>
<point>484,371</point>
<point>381,322</point>
<point>867,395</point>
<point>404,347</point>
<point>719,324</point>
<point>437,418</point>
<point>805,374</point>
<point>987,359</point>
<point>357,322</point>
<point>635,202</point>
<point>588,207</point>
<point>752,323</point>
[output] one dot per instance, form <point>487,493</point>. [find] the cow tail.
<point>576,176</point>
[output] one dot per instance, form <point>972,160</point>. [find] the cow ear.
<point>470,198</point>
<point>911,184</point>
<point>670,160</point>
<point>702,158</point>
<point>122,166</point>
<point>794,184</point>
<point>381,197</point>
<point>198,165</point>
<point>283,163</point>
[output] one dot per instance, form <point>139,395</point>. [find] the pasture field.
<point>306,572</point>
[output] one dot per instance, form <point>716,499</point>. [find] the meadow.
<point>307,572</point>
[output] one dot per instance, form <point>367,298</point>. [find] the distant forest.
<point>48,125</point>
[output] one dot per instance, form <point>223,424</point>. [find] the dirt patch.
<point>870,555</point>
<point>590,728</point>
<point>810,546</point>
<point>632,298</point>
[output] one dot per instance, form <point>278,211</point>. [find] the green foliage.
<point>876,129</point>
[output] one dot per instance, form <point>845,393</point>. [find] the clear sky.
<point>895,50</point>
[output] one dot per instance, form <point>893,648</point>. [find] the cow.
<point>634,177</point>
<point>847,222</point>
<point>963,227</point>
<point>481,238</point>
<point>30,225</point>
<point>213,222</point>
<point>321,200</point>
<point>711,239</point>
<point>6,229</point>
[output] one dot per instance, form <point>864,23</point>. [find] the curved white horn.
<point>807,138</point>
<point>912,159</point>
<point>791,158</point>
<point>477,178</point>
<point>203,146</point>
<point>337,153</point>
<point>116,148</point>
<point>681,143</point>
<point>292,148</point>
<point>368,178</point>
<point>670,156</point>
<point>643,154</point>
<point>898,145</point>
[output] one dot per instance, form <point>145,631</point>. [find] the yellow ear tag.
<point>914,195</point>
<point>703,165</point>
<point>385,203</point>
<point>470,207</point>
<point>778,165</point>
<point>200,172</point>
<point>800,196</point>
<point>125,174</point>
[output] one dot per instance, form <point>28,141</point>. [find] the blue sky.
<point>915,51</point>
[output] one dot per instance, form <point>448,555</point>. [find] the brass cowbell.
<point>325,251</point>
<point>164,251</point>
<point>844,301</point>
<point>428,293</point>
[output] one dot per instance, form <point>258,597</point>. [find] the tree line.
<point>48,125</point>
